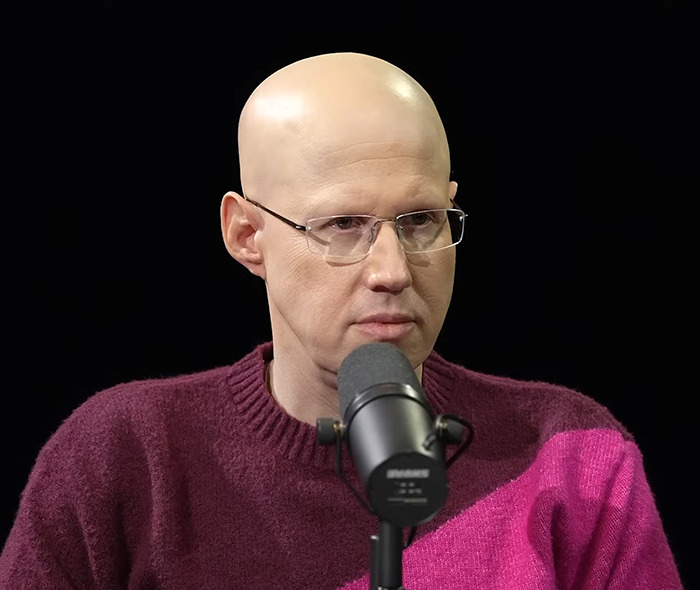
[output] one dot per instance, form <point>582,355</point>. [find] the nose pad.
<point>373,230</point>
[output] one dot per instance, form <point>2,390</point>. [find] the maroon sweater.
<point>202,481</point>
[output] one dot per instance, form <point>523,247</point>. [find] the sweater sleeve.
<point>617,528</point>
<point>46,546</point>
<point>67,531</point>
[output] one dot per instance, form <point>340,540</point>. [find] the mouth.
<point>386,327</point>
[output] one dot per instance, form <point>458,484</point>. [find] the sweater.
<point>202,481</point>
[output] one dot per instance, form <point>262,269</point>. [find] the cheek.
<point>434,283</point>
<point>294,263</point>
<point>306,287</point>
<point>286,257</point>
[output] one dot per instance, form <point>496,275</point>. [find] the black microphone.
<point>389,430</point>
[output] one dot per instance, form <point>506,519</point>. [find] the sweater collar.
<point>297,441</point>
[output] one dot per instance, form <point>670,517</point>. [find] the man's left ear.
<point>452,189</point>
<point>239,226</point>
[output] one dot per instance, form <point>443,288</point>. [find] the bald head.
<point>304,116</point>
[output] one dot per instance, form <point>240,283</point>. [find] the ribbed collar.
<point>295,440</point>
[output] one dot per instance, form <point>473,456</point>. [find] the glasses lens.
<point>340,236</point>
<point>349,237</point>
<point>424,231</point>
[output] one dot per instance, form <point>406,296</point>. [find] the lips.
<point>386,326</point>
<point>387,318</point>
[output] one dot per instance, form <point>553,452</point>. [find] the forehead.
<point>365,177</point>
<point>363,172</point>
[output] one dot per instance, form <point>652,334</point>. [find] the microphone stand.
<point>386,547</point>
<point>386,558</point>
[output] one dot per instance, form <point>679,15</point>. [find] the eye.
<point>345,223</point>
<point>418,219</point>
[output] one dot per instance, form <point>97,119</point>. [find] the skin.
<point>339,134</point>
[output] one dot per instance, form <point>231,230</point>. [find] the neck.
<point>304,395</point>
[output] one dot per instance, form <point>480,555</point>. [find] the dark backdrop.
<point>570,137</point>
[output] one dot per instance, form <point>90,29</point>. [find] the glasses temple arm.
<point>294,224</point>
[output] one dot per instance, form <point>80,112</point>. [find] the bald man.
<point>215,480</point>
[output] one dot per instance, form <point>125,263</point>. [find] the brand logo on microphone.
<point>407,473</point>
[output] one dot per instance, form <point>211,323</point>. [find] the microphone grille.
<point>373,364</point>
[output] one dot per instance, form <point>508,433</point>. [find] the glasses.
<point>348,238</point>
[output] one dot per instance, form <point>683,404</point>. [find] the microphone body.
<point>389,430</point>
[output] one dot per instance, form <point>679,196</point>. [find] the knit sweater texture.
<point>202,482</point>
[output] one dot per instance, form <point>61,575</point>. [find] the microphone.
<point>389,429</point>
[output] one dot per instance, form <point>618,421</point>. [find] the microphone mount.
<point>387,546</point>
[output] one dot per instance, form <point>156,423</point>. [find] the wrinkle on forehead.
<point>331,156</point>
<point>327,111</point>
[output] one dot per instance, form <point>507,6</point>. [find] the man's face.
<point>321,311</point>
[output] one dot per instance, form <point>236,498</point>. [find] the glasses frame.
<point>305,228</point>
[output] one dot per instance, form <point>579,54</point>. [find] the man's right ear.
<point>239,226</point>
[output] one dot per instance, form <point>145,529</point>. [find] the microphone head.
<point>373,364</point>
<point>387,420</point>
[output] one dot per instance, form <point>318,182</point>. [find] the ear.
<point>452,189</point>
<point>239,226</point>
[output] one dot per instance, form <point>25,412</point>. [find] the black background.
<point>570,132</point>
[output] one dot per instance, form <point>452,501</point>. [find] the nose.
<point>386,267</point>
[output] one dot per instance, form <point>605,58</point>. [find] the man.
<point>215,480</point>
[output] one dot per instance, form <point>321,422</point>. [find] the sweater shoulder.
<point>136,408</point>
<point>512,422</point>
<point>549,408</point>
<point>143,396</point>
